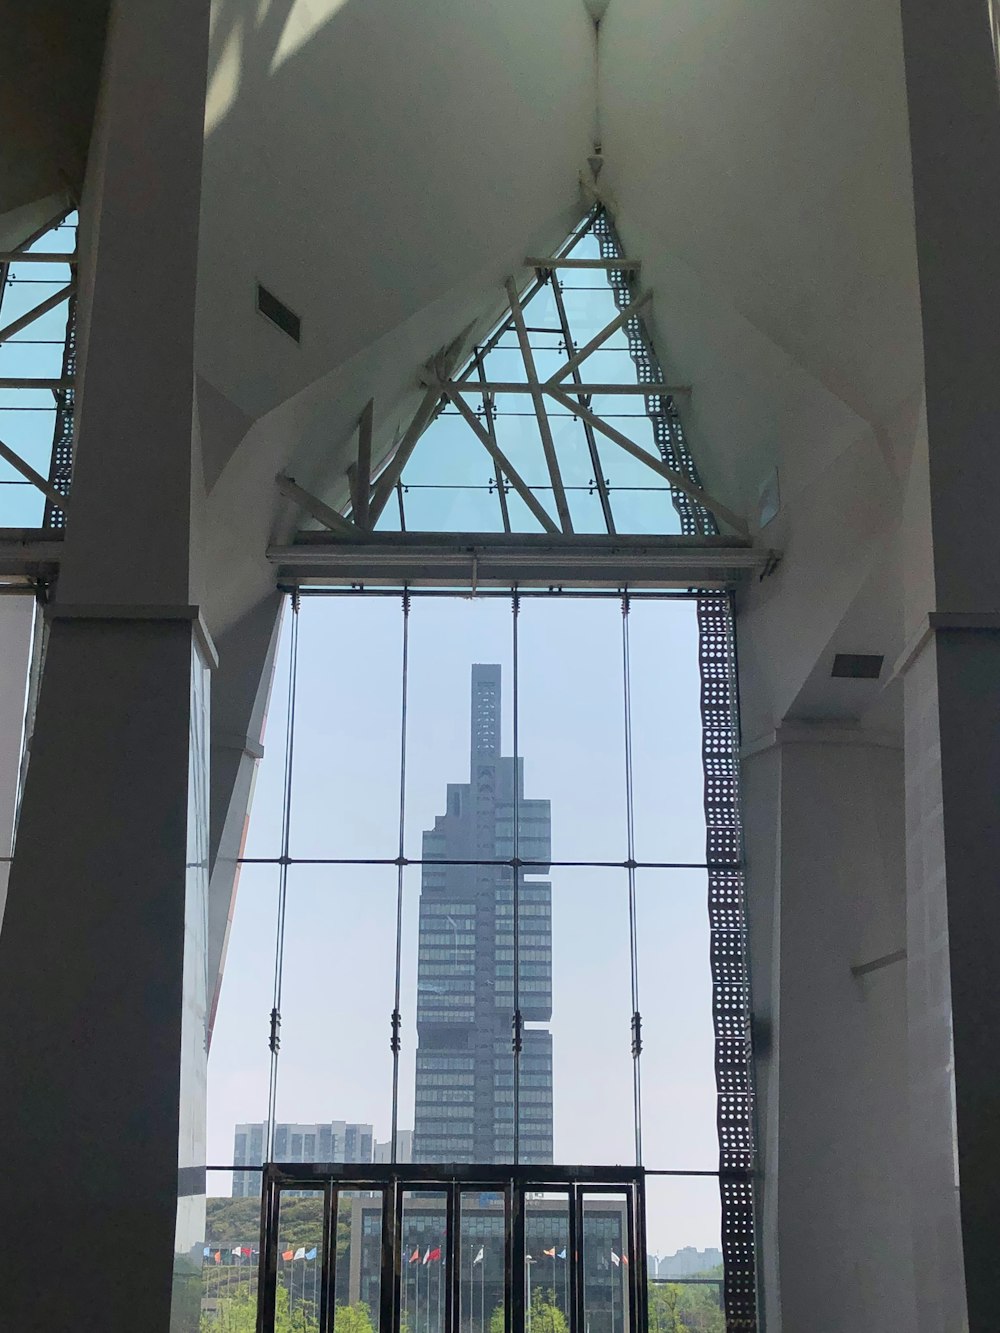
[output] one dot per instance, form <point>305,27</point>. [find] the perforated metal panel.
<point>61,466</point>
<point>726,906</point>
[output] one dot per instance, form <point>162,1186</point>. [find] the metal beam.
<point>321,512</point>
<point>360,473</point>
<point>519,386</point>
<point>504,463</point>
<point>544,429</point>
<point>390,474</point>
<point>36,257</point>
<point>43,307</point>
<point>20,382</point>
<point>36,478</point>
<point>441,366</point>
<point>619,320</point>
<point>629,265</point>
<point>500,560</point>
<point>676,479</point>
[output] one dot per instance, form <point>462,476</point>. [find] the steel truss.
<point>565,388</point>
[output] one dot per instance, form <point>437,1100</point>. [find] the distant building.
<point>404,1147</point>
<point>685,1263</point>
<point>335,1141</point>
<point>465,966</point>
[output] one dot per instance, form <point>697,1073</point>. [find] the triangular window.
<point>489,463</point>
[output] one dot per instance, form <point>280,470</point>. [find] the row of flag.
<point>432,1255</point>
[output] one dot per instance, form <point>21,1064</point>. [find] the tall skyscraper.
<point>465,971</point>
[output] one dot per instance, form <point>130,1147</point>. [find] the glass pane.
<point>448,508</point>
<point>424,1262</point>
<point>264,826</point>
<point>359,1262</point>
<point>675,999</point>
<point>239,1058</point>
<point>683,1235</point>
<point>230,1256</point>
<point>572,734</point>
<point>481,1255</point>
<point>335,1064</point>
<point>591,1018</point>
<point>667,774</point>
<point>606,1263</point>
<point>300,1263</point>
<point>345,783</point>
<point>547,1244</point>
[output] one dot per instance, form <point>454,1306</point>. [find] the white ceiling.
<point>382,166</point>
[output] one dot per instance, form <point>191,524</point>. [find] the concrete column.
<point>17,616</point>
<point>826,901</point>
<point>951,670</point>
<point>241,689</point>
<point>103,948</point>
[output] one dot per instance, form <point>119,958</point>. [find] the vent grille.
<point>278,313</point>
<point>858,666</point>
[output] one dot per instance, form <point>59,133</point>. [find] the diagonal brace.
<point>676,479</point>
<point>598,339</point>
<point>36,479</point>
<point>500,458</point>
<point>321,512</point>
<point>538,398</point>
<point>29,317</point>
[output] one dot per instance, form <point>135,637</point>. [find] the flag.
<point>218,1256</point>
<point>479,1257</point>
<point>427,1256</point>
<point>300,1253</point>
<point>288,1255</point>
<point>312,1253</point>
<point>246,1251</point>
<point>433,1255</point>
<point>235,1250</point>
<point>551,1253</point>
<point>615,1258</point>
<point>625,1260</point>
<point>207,1251</point>
<point>562,1253</point>
<point>415,1256</point>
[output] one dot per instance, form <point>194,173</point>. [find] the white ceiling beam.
<point>36,257</point>
<point>544,430</point>
<point>676,479</point>
<point>519,386</point>
<point>29,317</point>
<point>627,265</point>
<point>36,478</point>
<point>390,474</point>
<point>321,512</point>
<point>359,474</point>
<point>599,338</point>
<point>500,458</point>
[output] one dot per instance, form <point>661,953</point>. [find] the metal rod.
<point>519,386</point>
<point>43,307</point>
<point>364,469</point>
<point>29,473</point>
<point>501,460</point>
<point>544,429</point>
<point>588,430</point>
<point>598,339</point>
<point>492,432</point>
<point>676,479</point>
<point>320,511</point>
<point>37,257</point>
<point>549,264</point>
<point>26,382</point>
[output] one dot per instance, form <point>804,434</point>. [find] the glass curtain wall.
<point>472,917</point>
